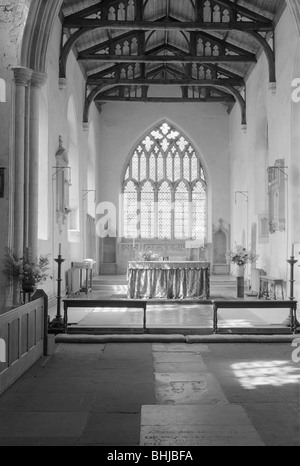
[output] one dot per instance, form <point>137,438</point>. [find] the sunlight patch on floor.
<point>261,373</point>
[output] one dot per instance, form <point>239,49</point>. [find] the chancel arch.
<point>165,180</point>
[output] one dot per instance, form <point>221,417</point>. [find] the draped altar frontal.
<point>168,280</point>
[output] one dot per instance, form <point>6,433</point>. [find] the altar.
<point>168,280</point>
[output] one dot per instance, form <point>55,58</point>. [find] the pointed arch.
<point>164,170</point>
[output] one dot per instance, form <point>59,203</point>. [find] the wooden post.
<point>240,287</point>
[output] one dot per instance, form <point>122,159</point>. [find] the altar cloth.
<point>168,280</point>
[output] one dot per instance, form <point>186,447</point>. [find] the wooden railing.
<point>216,305</point>
<point>23,337</point>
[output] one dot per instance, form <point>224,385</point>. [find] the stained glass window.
<point>167,171</point>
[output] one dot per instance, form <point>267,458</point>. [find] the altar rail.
<point>23,339</point>
<point>257,304</point>
<point>142,304</point>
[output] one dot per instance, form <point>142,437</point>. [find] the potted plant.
<point>24,271</point>
<point>240,257</point>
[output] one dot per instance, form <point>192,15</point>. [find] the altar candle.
<point>134,242</point>
<point>59,253</point>
<point>293,250</point>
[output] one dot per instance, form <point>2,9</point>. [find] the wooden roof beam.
<point>167,59</point>
<point>169,82</point>
<point>77,23</point>
<point>163,99</point>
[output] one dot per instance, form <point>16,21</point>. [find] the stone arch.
<point>37,34</point>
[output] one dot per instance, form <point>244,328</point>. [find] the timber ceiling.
<point>203,48</point>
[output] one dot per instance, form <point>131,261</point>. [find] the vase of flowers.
<point>240,257</point>
<point>24,271</point>
<point>149,256</point>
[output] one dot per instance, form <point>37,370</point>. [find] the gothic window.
<point>164,189</point>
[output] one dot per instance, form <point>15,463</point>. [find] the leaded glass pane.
<point>135,167</point>
<point>194,168</point>
<point>182,212</point>
<point>202,174</point>
<point>186,168</point>
<point>152,168</point>
<point>147,211</point>
<point>143,167</point>
<point>165,212</point>
<point>170,167</point>
<point>148,143</point>
<point>199,211</point>
<point>177,168</point>
<point>127,174</point>
<point>160,168</point>
<point>130,207</point>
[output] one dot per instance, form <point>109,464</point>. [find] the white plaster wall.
<point>246,165</point>
<point>12,19</point>
<point>207,126</point>
<point>58,101</point>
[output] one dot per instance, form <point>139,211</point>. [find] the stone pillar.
<point>22,77</point>
<point>37,82</point>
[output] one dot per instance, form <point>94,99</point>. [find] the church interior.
<point>150,223</point>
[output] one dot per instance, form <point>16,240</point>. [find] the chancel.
<point>150,223</point>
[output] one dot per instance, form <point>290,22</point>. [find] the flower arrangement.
<point>240,256</point>
<point>29,274</point>
<point>149,256</point>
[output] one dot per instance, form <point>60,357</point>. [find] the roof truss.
<point>129,61</point>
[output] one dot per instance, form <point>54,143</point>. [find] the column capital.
<point>22,75</point>
<point>38,79</point>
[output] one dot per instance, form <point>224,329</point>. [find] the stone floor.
<point>156,395</point>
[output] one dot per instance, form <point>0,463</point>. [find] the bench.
<point>104,303</point>
<point>269,286</point>
<point>257,304</point>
